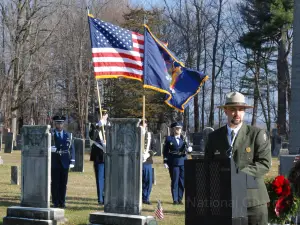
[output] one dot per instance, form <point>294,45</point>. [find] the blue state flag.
<point>163,72</point>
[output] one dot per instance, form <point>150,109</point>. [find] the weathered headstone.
<point>15,175</point>
<point>18,142</point>
<point>4,133</point>
<point>79,147</point>
<point>123,176</point>
<point>273,139</point>
<point>35,191</point>
<point>36,165</point>
<point>1,161</point>
<point>8,143</point>
<point>199,142</point>
<point>286,162</point>
<point>157,144</point>
<point>1,138</point>
<point>277,145</point>
<point>153,176</point>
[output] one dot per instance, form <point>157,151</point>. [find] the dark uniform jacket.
<point>175,154</point>
<point>97,154</point>
<point>252,154</point>
<point>65,153</point>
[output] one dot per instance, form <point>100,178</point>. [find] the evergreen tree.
<point>268,21</point>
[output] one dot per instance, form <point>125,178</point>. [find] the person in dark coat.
<point>175,153</point>
<point>62,158</point>
<point>97,155</point>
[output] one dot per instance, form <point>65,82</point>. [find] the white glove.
<point>190,149</point>
<point>71,166</point>
<point>53,149</point>
<point>166,166</point>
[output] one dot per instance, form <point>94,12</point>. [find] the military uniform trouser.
<point>59,180</point>
<point>258,215</point>
<point>147,182</point>
<point>100,179</point>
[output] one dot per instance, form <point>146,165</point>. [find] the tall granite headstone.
<point>36,164</point>
<point>79,147</point>
<point>123,176</point>
<point>8,143</point>
<point>35,190</point>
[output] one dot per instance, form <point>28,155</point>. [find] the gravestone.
<point>35,189</point>
<point>8,143</point>
<point>1,138</point>
<point>206,132</point>
<point>273,139</point>
<point>1,161</point>
<point>284,149</point>
<point>157,144</point>
<point>4,133</point>
<point>197,139</point>
<point>200,139</point>
<point>79,147</point>
<point>123,176</point>
<point>277,145</point>
<point>286,162</point>
<point>18,142</point>
<point>14,175</point>
<point>153,176</point>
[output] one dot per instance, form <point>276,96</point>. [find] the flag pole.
<point>100,110</point>
<point>98,93</point>
<point>144,109</point>
<point>144,97</point>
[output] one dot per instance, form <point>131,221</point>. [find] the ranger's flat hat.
<point>235,99</point>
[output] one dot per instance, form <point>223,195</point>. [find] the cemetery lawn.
<point>82,197</point>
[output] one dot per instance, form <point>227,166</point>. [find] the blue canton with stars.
<point>107,35</point>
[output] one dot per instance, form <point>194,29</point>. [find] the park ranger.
<point>250,149</point>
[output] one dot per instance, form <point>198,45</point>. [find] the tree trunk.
<point>199,51</point>
<point>213,72</point>
<point>282,86</point>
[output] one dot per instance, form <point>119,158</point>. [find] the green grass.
<point>82,197</point>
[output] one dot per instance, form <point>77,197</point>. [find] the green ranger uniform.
<point>251,152</point>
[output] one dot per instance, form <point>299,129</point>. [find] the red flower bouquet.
<point>283,202</point>
<point>281,186</point>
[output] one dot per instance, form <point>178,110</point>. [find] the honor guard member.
<point>175,152</point>
<point>97,154</point>
<point>62,158</point>
<point>147,164</point>
<point>250,149</point>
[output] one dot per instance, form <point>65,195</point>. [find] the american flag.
<point>159,211</point>
<point>116,52</point>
